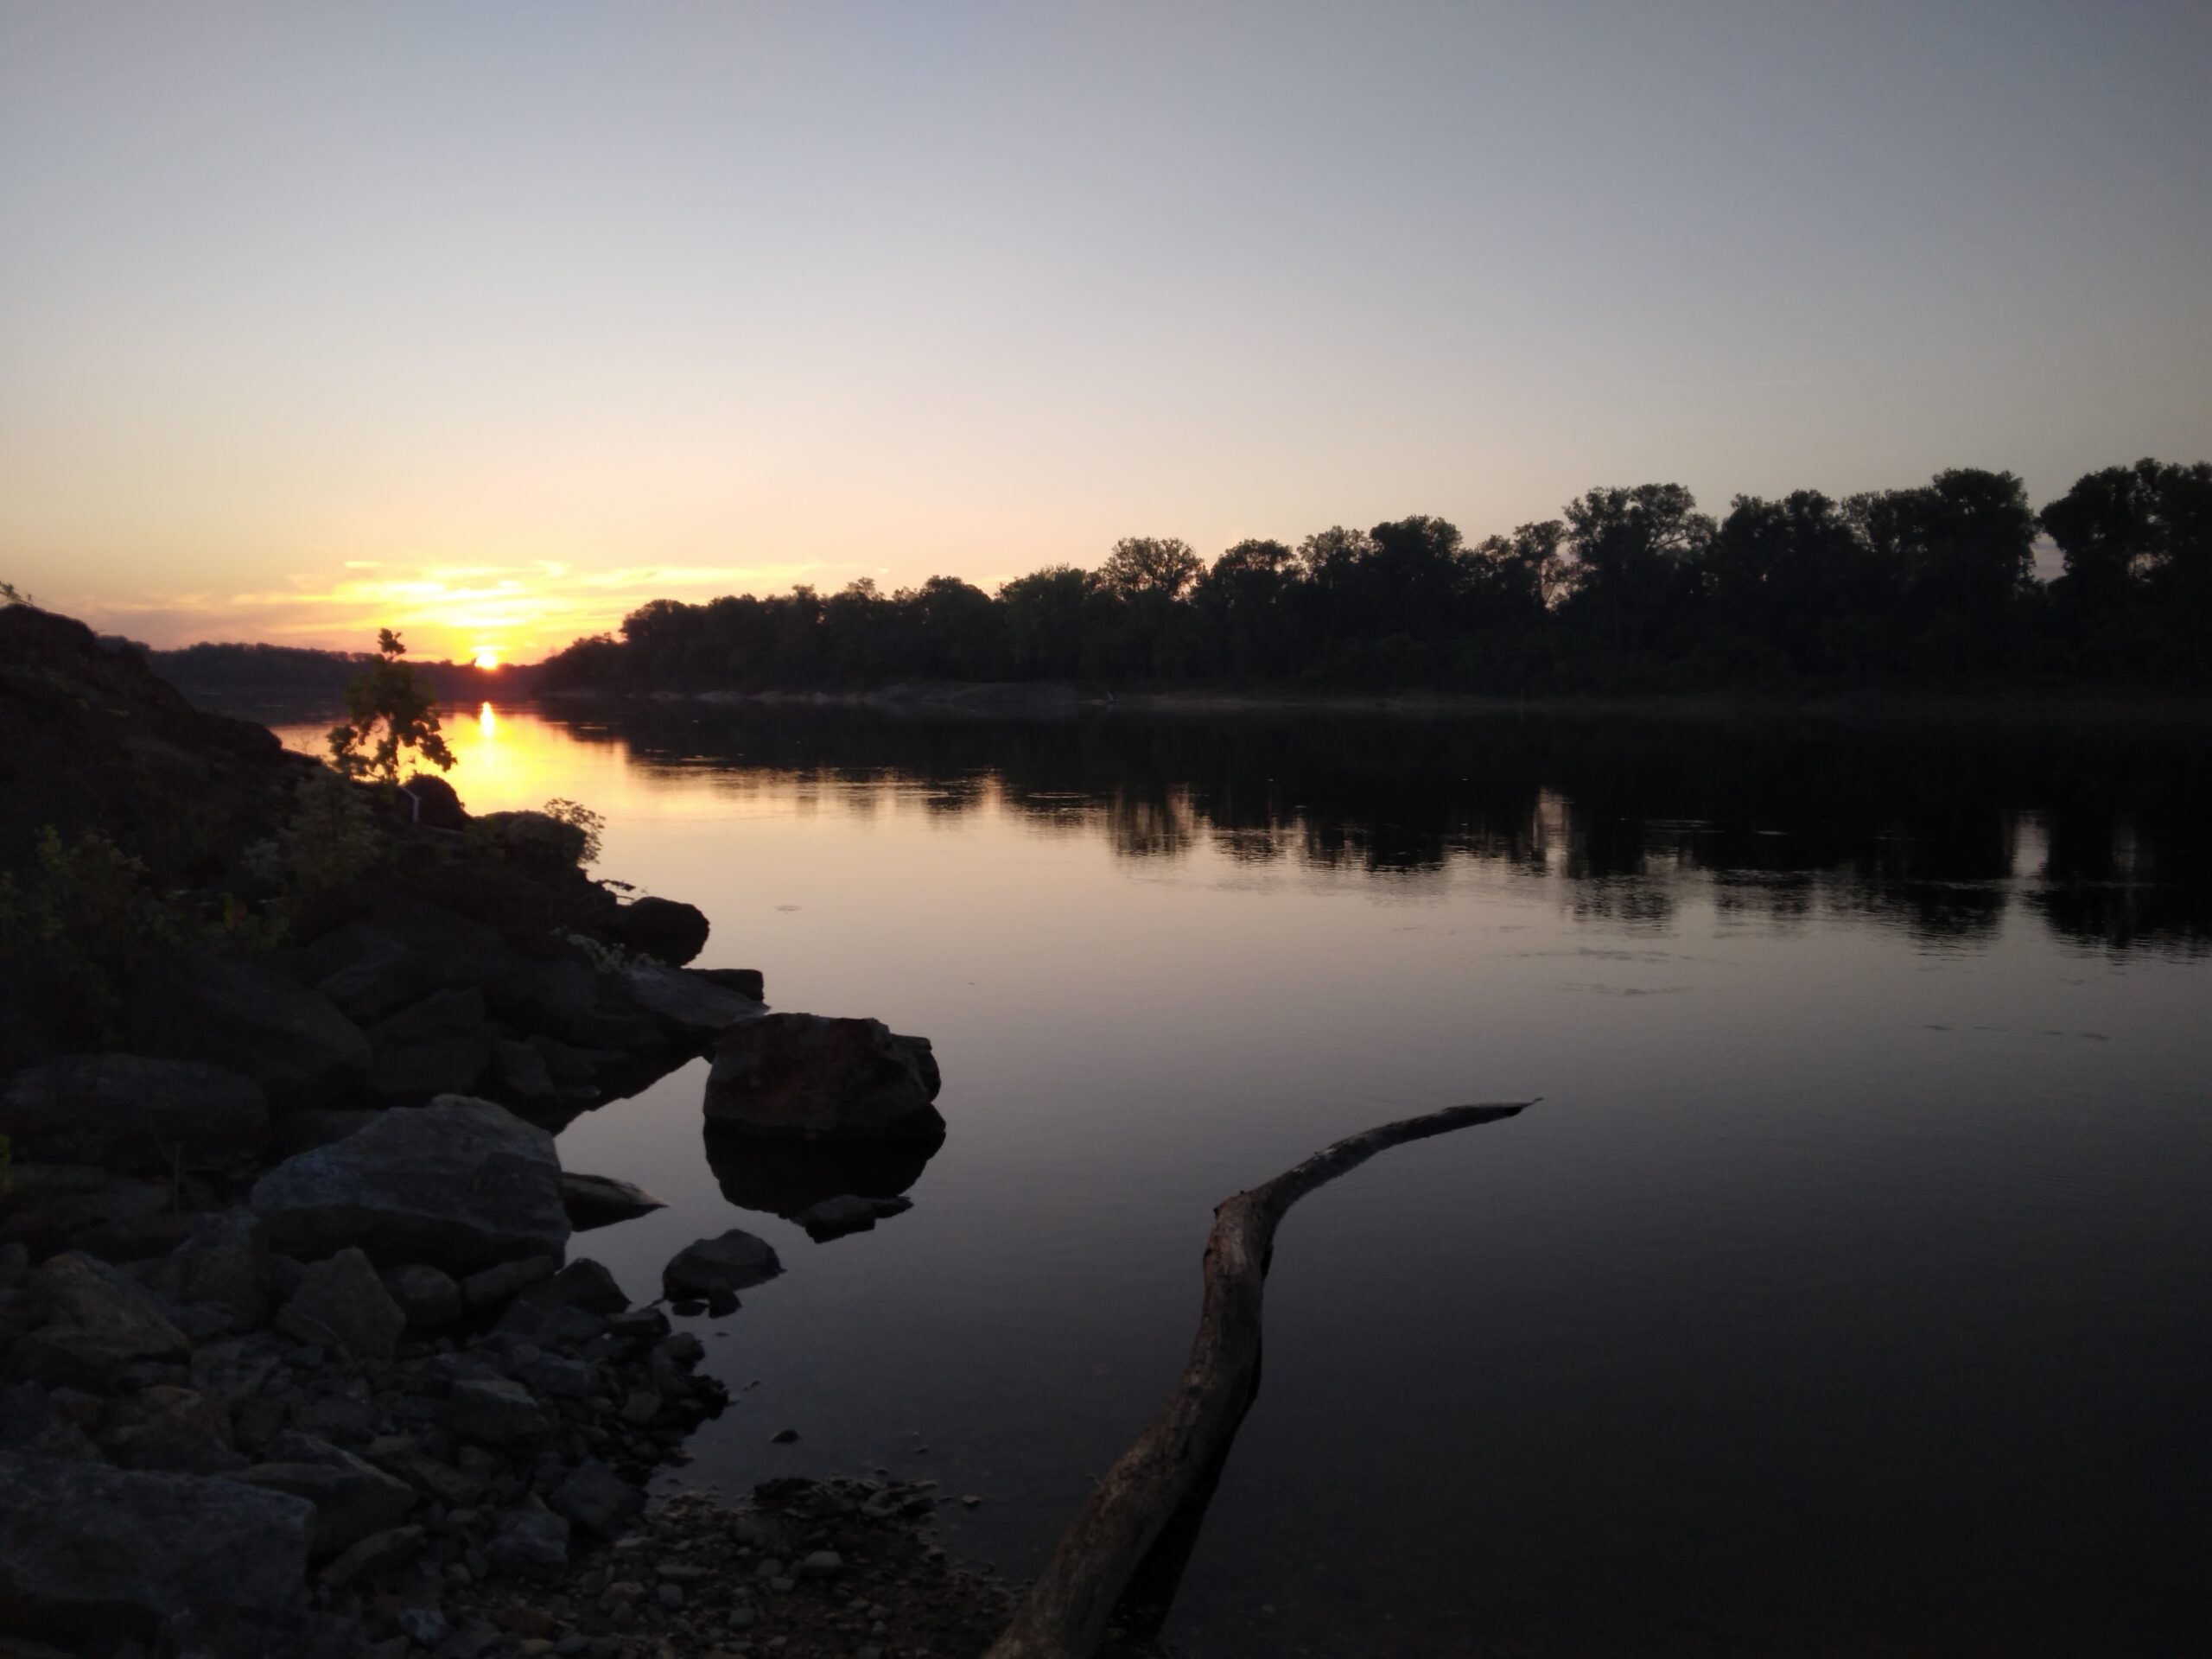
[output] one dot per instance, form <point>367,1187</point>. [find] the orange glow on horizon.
<point>487,657</point>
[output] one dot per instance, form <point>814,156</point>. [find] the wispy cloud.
<point>521,610</point>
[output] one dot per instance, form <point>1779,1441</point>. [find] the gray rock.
<point>429,1297</point>
<point>558,1375</point>
<point>466,952</point>
<point>352,1498</point>
<point>732,1262</point>
<point>464,1183</point>
<point>495,1411</point>
<point>398,1455</point>
<point>176,1429</point>
<point>35,1420</point>
<point>532,1543</point>
<point>237,1370</point>
<point>223,1264</point>
<point>100,1320</point>
<point>246,1012</point>
<point>550,996</point>
<point>126,1111</point>
<point>519,1074</point>
<point>807,1077</point>
<point>598,1200</point>
<point>496,1286</point>
<point>384,978</point>
<point>375,1554</point>
<point>87,1552</point>
<point>583,1284</point>
<point>424,1626</point>
<point>450,1064</point>
<point>441,1014</point>
<point>682,1003</point>
<point>821,1564</point>
<point>309,1127</point>
<point>599,1500</point>
<point>344,1297</point>
<point>749,983</point>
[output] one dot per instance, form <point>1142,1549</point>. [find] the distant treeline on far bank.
<point>246,675</point>
<point>1629,589</point>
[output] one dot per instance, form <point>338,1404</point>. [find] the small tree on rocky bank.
<point>391,710</point>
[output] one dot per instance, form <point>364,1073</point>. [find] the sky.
<point>491,322</point>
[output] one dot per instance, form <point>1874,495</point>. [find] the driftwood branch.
<point>1067,1609</point>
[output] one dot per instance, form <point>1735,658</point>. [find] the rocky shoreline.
<point>295,1358</point>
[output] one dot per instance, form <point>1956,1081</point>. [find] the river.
<point>1846,1293</point>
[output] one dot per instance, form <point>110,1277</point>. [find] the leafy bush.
<point>532,841</point>
<point>329,839</point>
<point>392,710</point>
<point>574,813</point>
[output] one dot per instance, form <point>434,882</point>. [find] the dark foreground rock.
<point>809,1076</point>
<point>248,1013</point>
<point>86,1551</point>
<point>459,1182</point>
<point>130,1112</point>
<point>98,1320</point>
<point>664,929</point>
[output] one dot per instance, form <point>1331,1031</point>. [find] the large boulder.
<point>92,1553</point>
<point>450,1064</point>
<point>429,1296</point>
<point>247,1013</point>
<point>133,1112</point>
<point>664,929</point>
<point>180,1430</point>
<point>808,1077</point>
<point>461,1183</point>
<point>98,1320</point>
<point>438,1045</point>
<point>687,1004</point>
<point>597,1499</point>
<point>732,1262</point>
<point>222,1266</point>
<point>341,1302</point>
<point>375,975</point>
<point>352,1499</point>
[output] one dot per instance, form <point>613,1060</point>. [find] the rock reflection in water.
<point>788,1178</point>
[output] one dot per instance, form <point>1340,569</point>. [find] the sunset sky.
<point>491,320</point>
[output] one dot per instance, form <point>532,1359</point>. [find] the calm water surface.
<point>1845,1294</point>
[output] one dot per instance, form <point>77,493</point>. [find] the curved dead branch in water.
<point>1180,1451</point>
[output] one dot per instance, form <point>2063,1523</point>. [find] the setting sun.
<point>487,656</point>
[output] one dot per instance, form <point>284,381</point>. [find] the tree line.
<point>225,672</point>
<point>1629,588</point>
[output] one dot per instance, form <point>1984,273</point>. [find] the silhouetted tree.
<point>1632,549</point>
<point>1246,599</point>
<point>1631,588</point>
<point>1963,546</point>
<point>392,712</point>
<point>1796,574</point>
<point>1048,620</point>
